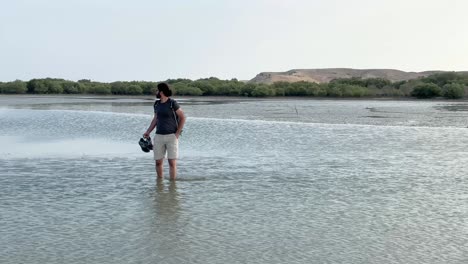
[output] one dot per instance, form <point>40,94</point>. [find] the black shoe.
<point>145,144</point>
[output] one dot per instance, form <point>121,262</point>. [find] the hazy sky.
<point>109,40</point>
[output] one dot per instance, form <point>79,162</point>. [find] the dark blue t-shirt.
<point>166,115</point>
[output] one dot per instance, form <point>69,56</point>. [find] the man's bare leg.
<point>172,169</point>
<point>159,168</point>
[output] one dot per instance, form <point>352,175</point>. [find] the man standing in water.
<point>169,120</point>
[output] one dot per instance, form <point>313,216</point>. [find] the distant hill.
<point>326,75</point>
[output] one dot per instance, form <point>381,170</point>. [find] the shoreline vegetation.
<point>449,85</point>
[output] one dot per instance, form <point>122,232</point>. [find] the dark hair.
<point>164,87</point>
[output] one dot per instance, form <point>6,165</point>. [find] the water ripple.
<point>76,188</point>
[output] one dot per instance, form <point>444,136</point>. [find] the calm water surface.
<point>269,181</point>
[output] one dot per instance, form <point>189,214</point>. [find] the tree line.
<point>450,85</point>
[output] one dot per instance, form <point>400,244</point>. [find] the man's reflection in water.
<point>167,240</point>
<point>166,202</point>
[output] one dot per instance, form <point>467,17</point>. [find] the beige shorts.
<point>165,143</point>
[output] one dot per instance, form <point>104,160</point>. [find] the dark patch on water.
<point>376,116</point>
<point>453,108</point>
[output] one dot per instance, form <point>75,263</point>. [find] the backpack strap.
<point>174,113</point>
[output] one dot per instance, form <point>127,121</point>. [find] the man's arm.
<point>151,127</point>
<point>182,118</point>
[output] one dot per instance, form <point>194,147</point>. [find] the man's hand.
<point>177,134</point>
<point>146,134</point>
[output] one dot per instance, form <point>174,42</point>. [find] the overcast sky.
<point>153,40</point>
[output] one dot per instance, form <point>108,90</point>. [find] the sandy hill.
<point>326,75</point>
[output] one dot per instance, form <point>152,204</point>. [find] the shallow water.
<point>270,181</point>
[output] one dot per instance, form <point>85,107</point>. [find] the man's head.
<point>164,88</point>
